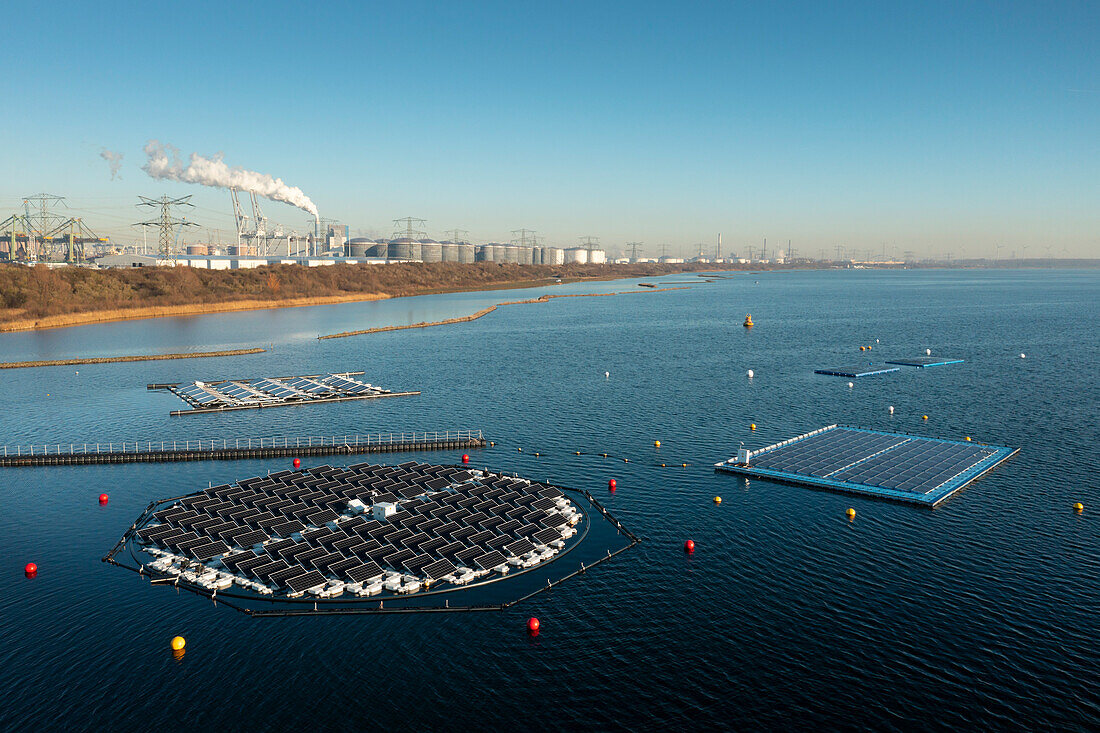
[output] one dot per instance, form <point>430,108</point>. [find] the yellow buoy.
<point>491,443</point>
<point>717,500</point>
<point>862,348</point>
<point>626,460</point>
<point>178,643</point>
<point>1078,507</point>
<point>924,417</point>
<point>576,452</point>
<point>536,453</point>
<point>752,426</point>
<point>519,449</point>
<point>851,512</point>
<point>656,444</point>
<point>968,439</point>
<point>662,465</point>
<point>685,465</point>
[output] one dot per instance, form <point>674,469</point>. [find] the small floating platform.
<point>924,361</point>
<point>248,394</point>
<point>907,468</point>
<point>856,371</point>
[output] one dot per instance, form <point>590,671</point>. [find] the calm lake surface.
<point>982,613</point>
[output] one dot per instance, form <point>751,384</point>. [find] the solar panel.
<point>320,517</point>
<point>544,504</point>
<point>467,556</point>
<point>489,560</point>
<point>498,542</point>
<point>287,528</point>
<point>451,549</point>
<point>301,583</point>
<point>249,564</point>
<point>280,577</point>
<point>481,538</point>
<point>365,572</point>
<point>415,563</point>
<point>202,553</point>
<point>551,492</point>
<point>323,562</point>
<point>263,572</point>
<point>438,569</point>
<point>546,536</point>
<point>250,538</point>
<point>519,547</point>
<point>394,559</point>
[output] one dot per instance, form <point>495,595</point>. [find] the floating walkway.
<point>61,454</point>
<point>856,371</point>
<point>351,540</point>
<point>924,361</point>
<point>250,394</point>
<point>907,468</point>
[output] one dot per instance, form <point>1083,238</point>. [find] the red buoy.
<point>103,498</point>
<point>611,485</point>
<point>689,546</point>
<point>533,625</point>
<point>297,462</point>
<point>32,570</point>
<point>465,458</point>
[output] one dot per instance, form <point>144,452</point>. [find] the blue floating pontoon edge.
<point>856,371</point>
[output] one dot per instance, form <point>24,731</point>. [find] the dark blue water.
<point>983,613</point>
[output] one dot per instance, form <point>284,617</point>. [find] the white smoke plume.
<point>114,160</point>
<point>163,161</point>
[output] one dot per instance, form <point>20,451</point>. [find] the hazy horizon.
<point>934,129</point>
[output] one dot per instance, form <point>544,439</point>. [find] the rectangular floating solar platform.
<point>856,371</point>
<point>908,468</point>
<point>243,394</point>
<point>924,361</point>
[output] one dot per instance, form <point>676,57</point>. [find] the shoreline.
<point>93,317</point>
<point>118,359</point>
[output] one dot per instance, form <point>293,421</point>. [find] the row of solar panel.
<point>272,390</point>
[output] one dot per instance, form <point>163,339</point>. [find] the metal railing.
<point>217,444</point>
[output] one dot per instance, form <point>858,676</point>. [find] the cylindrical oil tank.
<point>497,252</point>
<point>242,251</point>
<point>552,256</point>
<point>576,254</point>
<point>404,248</point>
<point>536,255</point>
<point>466,253</point>
<point>483,253</point>
<point>358,247</point>
<point>200,250</point>
<point>430,251</point>
<point>597,256</point>
<point>511,254</point>
<point>378,249</point>
<point>524,255</point>
<point>450,251</point>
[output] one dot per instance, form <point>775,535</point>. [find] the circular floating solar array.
<point>364,533</point>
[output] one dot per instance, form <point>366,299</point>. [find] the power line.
<point>166,222</point>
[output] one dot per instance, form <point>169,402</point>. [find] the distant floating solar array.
<point>891,365</point>
<point>242,394</point>
<point>365,531</point>
<point>889,465</point>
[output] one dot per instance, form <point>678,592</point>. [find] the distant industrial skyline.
<point>936,129</point>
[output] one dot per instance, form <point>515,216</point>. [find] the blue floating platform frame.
<point>857,371</point>
<point>924,361</point>
<point>850,459</point>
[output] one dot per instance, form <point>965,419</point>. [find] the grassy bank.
<point>38,297</point>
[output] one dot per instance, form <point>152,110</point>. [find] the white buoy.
<point>607,375</point>
<point>1023,356</point>
<point>928,352</point>
<point>750,373</point>
<point>890,409</point>
<point>876,341</point>
<point>851,384</point>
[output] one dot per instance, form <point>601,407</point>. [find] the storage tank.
<point>198,250</point>
<point>466,254</point>
<point>511,254</point>
<point>524,255</point>
<point>244,250</point>
<point>430,251</point>
<point>576,254</point>
<point>450,251</point>
<point>597,256</point>
<point>403,248</point>
<point>536,255</point>
<point>484,253</point>
<point>553,256</point>
<point>358,247</point>
<point>378,249</point>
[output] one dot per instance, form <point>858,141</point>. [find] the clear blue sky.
<point>933,127</point>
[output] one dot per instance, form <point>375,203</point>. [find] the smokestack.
<point>718,252</point>
<point>163,162</point>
